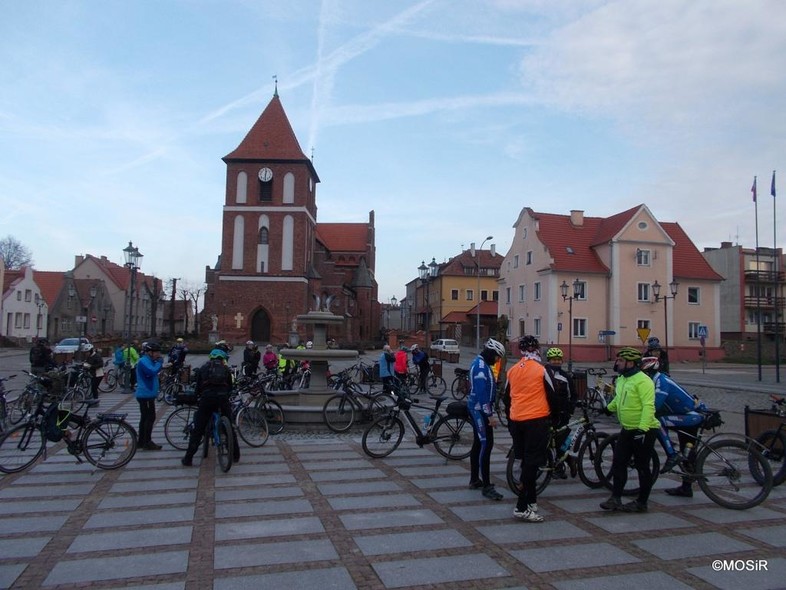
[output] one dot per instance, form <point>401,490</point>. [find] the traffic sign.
<point>644,333</point>
<point>607,332</point>
<point>559,326</point>
<point>703,331</point>
<point>81,319</point>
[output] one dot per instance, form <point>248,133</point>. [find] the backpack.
<point>217,373</point>
<point>54,422</point>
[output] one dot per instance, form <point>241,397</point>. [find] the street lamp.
<point>576,293</point>
<point>40,303</point>
<point>133,261</point>
<point>427,274</point>
<point>477,272</point>
<point>673,286</point>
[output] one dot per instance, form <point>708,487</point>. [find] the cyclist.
<point>251,358</point>
<point>654,349</point>
<point>566,399</point>
<point>675,408</point>
<point>147,370</point>
<point>420,358</point>
<point>41,357</point>
<point>177,356</point>
<point>386,361</point>
<point>480,404</point>
<point>213,386</point>
<point>400,366</point>
<point>634,404</point>
<point>529,347</point>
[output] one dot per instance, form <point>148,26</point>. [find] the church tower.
<point>263,276</point>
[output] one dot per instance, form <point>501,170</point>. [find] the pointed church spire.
<point>275,81</point>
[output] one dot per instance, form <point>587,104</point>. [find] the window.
<point>28,295</point>
<point>516,261</point>
<point>19,296</point>
<point>642,257</point>
<point>524,234</point>
<point>579,327</point>
<point>495,295</point>
<point>454,294</point>
<point>27,321</point>
<point>643,292</point>
<point>470,295</point>
<point>537,326</point>
<point>643,324</point>
<point>693,295</point>
<point>18,319</point>
<point>522,292</point>
<point>266,191</point>
<point>536,292</point>
<point>507,294</point>
<point>582,291</point>
<point>693,330</point>
<point>264,235</point>
<point>484,295</point>
<point>529,257</point>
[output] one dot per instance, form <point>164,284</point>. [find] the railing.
<point>764,276</point>
<point>769,327</point>
<point>753,301</point>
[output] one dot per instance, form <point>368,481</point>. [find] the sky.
<point>444,117</point>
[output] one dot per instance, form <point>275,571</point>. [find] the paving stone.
<point>248,468</point>
<point>69,477</point>
<point>351,475</point>
<point>526,532</point>
<point>415,460</point>
<point>579,505</point>
<point>459,496</point>
<point>155,474</point>
<point>438,570</point>
<point>363,487</point>
<point>9,573</point>
<point>357,463</point>
<point>138,517</point>
<point>441,482</point>
<point>684,546</point>
<point>374,520</point>
<point>564,557</point>
<point>131,539</point>
<point>772,579</point>
<point>35,505</point>
<point>20,491</point>
<point>153,486</point>
<point>227,480</point>
<point>336,455</point>
<point>314,579</point>
<point>263,529</point>
<point>247,555</point>
<point>256,493</point>
<point>426,470</point>
<point>406,542</point>
<point>723,515</point>
<point>26,547</point>
<point>113,568</point>
<point>772,535</point>
<point>648,580</point>
<point>162,586</point>
<point>137,500</point>
<point>488,510</point>
<point>268,507</point>
<point>378,501</point>
<point>32,524</point>
<point>618,522</point>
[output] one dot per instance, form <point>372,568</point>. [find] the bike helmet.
<point>250,343</point>
<point>179,341</point>
<point>653,342</point>
<point>554,353</point>
<point>529,343</point>
<point>650,363</point>
<point>151,346</point>
<point>413,347</point>
<point>309,344</point>
<point>218,353</point>
<point>497,347</point>
<point>221,345</point>
<point>629,354</point>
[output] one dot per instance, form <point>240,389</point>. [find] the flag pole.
<point>758,281</point>
<point>777,285</point>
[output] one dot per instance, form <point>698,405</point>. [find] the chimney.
<point>725,245</point>
<point>576,217</point>
<point>78,260</point>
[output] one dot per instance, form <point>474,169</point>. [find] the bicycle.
<point>731,472</point>
<point>773,442</point>
<point>219,434</point>
<point>361,372</point>
<point>107,441</point>
<point>434,384</point>
<point>340,409</point>
<point>109,380</point>
<point>581,446</point>
<point>460,387</point>
<point>272,410</point>
<point>599,395</point>
<point>4,419</point>
<point>451,434</point>
<point>170,389</point>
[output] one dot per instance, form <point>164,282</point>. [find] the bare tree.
<point>192,292</point>
<point>14,253</point>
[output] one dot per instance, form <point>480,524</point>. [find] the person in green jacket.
<point>634,404</point>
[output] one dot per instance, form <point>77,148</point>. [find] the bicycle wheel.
<point>224,450</point>
<point>73,400</point>
<point>274,415</point>
<point>513,472</point>
<point>588,451</point>
<point>383,436</point>
<point>252,426</point>
<point>413,383</point>
<point>453,437</point>
<point>436,385</point>
<point>109,382</point>
<point>21,406</point>
<point>499,409</point>
<point>733,474</point>
<point>172,392</point>
<point>603,462</point>
<point>109,443</point>
<point>459,388</point>
<point>774,443</point>
<point>20,447</point>
<point>178,427</point>
<point>339,413</point>
<point>380,405</point>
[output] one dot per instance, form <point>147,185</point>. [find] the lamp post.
<point>477,272</point>
<point>133,261</point>
<point>673,287</point>
<point>427,274</point>
<point>40,303</point>
<point>576,293</point>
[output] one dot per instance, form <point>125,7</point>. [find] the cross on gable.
<point>238,319</point>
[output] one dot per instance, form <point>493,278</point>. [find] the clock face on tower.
<point>265,174</point>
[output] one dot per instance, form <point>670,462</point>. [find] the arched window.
<point>289,188</point>
<point>263,236</point>
<point>263,249</point>
<point>237,243</point>
<point>241,188</point>
<point>287,242</point>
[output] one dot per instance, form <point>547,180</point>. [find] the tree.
<point>15,254</point>
<point>191,291</point>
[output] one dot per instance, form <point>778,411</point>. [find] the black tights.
<point>639,446</point>
<point>147,417</point>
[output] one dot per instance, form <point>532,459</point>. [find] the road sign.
<point>559,326</point>
<point>703,331</point>
<point>644,333</point>
<point>607,332</point>
<point>94,319</point>
<point>81,319</point>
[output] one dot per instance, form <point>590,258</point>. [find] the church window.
<point>287,243</point>
<point>237,243</point>
<point>263,236</point>
<point>289,188</point>
<point>242,186</point>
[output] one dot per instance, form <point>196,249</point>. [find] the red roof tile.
<point>456,265</point>
<point>688,261</point>
<point>486,308</point>
<point>343,237</point>
<point>50,282</point>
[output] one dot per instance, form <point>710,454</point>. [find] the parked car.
<point>71,345</point>
<point>445,344</point>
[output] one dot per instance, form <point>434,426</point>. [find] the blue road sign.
<point>703,331</point>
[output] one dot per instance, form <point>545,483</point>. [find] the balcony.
<point>764,276</point>
<point>769,327</point>
<point>764,302</point>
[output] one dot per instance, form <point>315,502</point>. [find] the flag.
<point>772,186</point>
<point>753,189</point>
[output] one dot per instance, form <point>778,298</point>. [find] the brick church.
<point>276,261</point>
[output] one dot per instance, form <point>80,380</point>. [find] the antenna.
<point>275,81</point>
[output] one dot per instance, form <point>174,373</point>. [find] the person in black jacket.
<point>251,358</point>
<point>41,357</point>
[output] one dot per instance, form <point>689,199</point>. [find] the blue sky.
<point>445,117</point>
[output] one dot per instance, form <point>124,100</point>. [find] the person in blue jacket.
<point>386,360</point>
<point>147,370</point>
<point>480,404</point>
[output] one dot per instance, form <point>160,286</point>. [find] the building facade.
<point>276,261</point>
<point>589,284</point>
